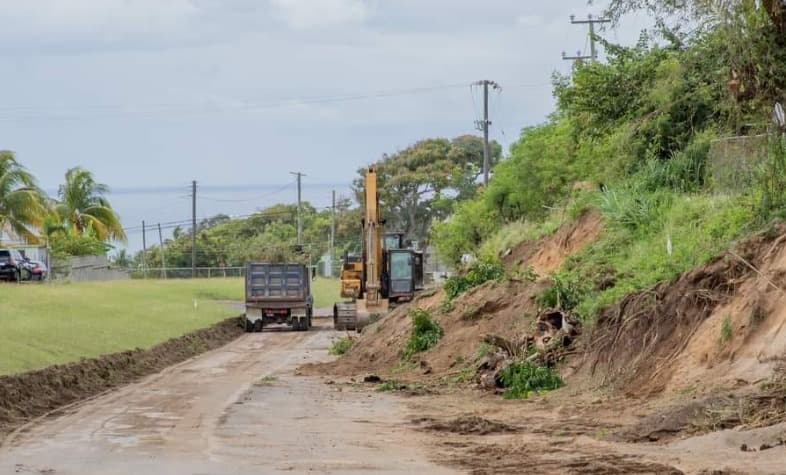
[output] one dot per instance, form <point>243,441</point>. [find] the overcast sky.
<point>160,92</point>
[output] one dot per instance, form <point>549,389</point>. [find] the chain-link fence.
<point>186,273</point>
<point>732,161</point>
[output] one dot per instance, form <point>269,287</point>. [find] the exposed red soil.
<point>547,254</point>
<point>27,396</point>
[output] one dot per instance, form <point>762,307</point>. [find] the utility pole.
<point>163,251</point>
<point>591,22</point>
<point>299,213</point>
<point>333,235</point>
<point>144,252</point>
<point>193,228</point>
<point>485,123</point>
<point>578,57</point>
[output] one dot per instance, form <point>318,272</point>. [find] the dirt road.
<point>236,410</point>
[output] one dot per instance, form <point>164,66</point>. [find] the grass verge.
<point>44,325</point>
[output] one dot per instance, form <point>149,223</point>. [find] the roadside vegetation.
<point>522,378</point>
<point>671,141</point>
<point>426,332</point>
<point>341,346</point>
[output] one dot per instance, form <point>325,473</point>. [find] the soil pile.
<point>26,396</point>
<point>504,308</point>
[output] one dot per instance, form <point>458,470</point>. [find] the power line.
<point>116,111</point>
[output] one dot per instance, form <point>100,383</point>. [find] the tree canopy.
<point>424,181</point>
<point>21,202</point>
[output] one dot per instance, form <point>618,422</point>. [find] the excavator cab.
<point>393,241</point>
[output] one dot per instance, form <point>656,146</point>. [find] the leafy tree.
<point>423,182</point>
<point>82,205</point>
<point>538,172</point>
<point>21,203</point>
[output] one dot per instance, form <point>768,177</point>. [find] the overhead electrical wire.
<point>130,111</point>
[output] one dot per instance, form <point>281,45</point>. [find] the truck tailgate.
<point>276,282</point>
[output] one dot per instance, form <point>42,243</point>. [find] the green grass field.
<point>41,325</point>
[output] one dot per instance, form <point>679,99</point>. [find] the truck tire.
<point>248,326</point>
<point>258,326</point>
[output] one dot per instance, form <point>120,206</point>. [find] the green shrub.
<point>629,207</point>
<point>425,333</point>
<point>684,172</point>
<point>566,292</point>
<point>726,332</point>
<point>392,385</point>
<point>521,378</point>
<point>341,346</point>
<point>480,272</point>
<point>463,232</point>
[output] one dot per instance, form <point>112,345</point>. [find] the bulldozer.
<point>386,272</point>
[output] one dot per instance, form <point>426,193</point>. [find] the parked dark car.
<point>13,266</point>
<point>38,270</point>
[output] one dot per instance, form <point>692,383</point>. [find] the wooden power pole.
<point>485,123</point>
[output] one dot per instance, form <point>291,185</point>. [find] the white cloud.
<point>529,20</point>
<point>107,21</point>
<point>308,14</point>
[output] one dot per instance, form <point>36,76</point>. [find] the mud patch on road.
<point>466,425</point>
<point>542,457</point>
<point>27,396</point>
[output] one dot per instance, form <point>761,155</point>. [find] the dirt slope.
<point>499,308</point>
<point>547,255</point>
<point>672,336</point>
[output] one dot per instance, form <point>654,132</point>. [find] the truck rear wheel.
<point>248,326</point>
<point>258,326</point>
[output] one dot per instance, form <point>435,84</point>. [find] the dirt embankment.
<point>494,308</point>
<point>661,375</point>
<point>27,396</point>
<point>547,254</point>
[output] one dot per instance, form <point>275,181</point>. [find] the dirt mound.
<point>497,308</point>
<point>26,396</point>
<point>467,425</point>
<point>547,254</point>
<point>502,308</point>
<point>710,327</point>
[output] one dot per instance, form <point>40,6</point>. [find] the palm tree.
<point>21,203</point>
<point>82,206</point>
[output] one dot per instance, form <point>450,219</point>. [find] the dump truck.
<point>278,294</point>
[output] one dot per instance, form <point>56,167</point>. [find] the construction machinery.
<point>385,272</point>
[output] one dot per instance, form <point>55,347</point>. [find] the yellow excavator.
<point>384,272</point>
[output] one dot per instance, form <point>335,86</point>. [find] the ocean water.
<point>171,206</point>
